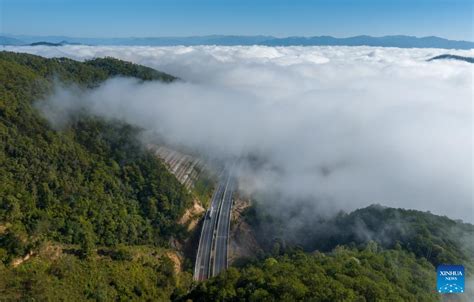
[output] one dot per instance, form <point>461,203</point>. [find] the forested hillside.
<point>370,274</point>
<point>87,186</point>
<point>436,238</point>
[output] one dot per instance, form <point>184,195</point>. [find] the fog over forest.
<point>343,127</point>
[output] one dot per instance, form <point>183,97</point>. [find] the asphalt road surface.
<point>203,257</point>
<point>211,257</point>
<point>222,230</point>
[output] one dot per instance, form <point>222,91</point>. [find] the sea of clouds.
<point>344,127</point>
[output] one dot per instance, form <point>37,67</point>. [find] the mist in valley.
<point>334,128</point>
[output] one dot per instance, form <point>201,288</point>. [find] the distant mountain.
<point>231,40</point>
<point>191,41</point>
<point>386,41</point>
<point>235,40</point>
<point>64,42</point>
<point>452,57</point>
<point>42,43</point>
<point>10,41</point>
<point>228,40</point>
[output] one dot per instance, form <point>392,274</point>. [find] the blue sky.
<point>144,18</point>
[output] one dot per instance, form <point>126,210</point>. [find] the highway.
<point>222,230</point>
<point>203,257</point>
<point>211,256</point>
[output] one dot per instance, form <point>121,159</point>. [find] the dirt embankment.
<point>193,222</point>
<point>243,243</point>
<point>177,261</point>
<point>192,215</point>
<point>20,260</point>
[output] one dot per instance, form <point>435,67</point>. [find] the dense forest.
<point>370,274</point>
<point>88,186</point>
<point>87,213</point>
<point>436,238</point>
<point>134,273</point>
<point>90,183</point>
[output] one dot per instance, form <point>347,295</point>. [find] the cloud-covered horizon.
<point>343,126</point>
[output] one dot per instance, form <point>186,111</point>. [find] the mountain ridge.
<point>401,41</point>
<point>452,57</point>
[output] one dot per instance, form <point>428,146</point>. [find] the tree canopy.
<point>90,182</point>
<point>370,274</point>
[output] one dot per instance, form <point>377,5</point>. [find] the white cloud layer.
<point>344,126</point>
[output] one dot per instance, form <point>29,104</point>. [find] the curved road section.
<point>211,256</point>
